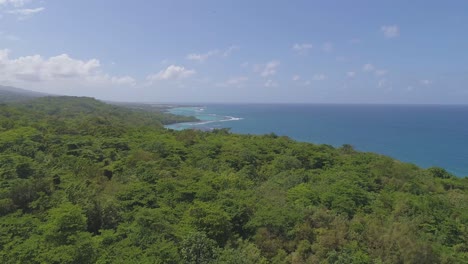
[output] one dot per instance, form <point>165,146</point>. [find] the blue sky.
<point>238,51</point>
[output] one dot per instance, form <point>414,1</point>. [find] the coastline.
<point>376,131</point>
<point>199,112</point>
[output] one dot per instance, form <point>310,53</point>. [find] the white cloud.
<point>201,57</point>
<point>173,72</point>
<point>327,47</point>
<point>234,82</point>
<point>425,82</point>
<point>270,83</point>
<point>368,67</point>
<point>382,83</point>
<point>15,3</point>
<point>230,50</point>
<point>18,9</point>
<point>296,77</point>
<point>351,74</point>
<point>3,56</point>
<point>26,11</point>
<point>123,80</point>
<point>105,79</point>
<point>63,66</point>
<point>36,69</point>
<point>319,77</point>
<point>302,48</point>
<point>355,41</point>
<point>268,69</point>
<point>371,68</point>
<point>390,31</point>
<point>380,72</point>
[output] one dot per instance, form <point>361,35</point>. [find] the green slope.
<point>12,94</point>
<point>86,182</point>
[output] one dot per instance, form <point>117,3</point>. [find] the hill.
<point>12,94</point>
<point>82,181</point>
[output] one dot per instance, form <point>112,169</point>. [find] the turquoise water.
<point>426,135</point>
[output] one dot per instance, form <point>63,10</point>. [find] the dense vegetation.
<point>86,182</point>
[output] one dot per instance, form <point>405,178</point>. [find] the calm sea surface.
<point>425,135</point>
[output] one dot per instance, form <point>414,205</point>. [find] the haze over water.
<point>426,135</point>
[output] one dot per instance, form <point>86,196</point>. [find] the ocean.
<point>426,135</point>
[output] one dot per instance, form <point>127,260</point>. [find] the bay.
<point>426,135</point>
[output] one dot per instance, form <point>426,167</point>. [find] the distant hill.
<point>12,94</point>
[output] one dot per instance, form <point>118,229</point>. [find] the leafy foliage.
<point>86,182</point>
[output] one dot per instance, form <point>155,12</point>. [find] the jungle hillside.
<point>82,181</point>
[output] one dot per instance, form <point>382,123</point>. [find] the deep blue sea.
<point>426,135</point>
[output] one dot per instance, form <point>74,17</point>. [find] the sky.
<point>236,51</point>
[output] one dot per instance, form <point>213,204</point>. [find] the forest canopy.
<point>82,181</point>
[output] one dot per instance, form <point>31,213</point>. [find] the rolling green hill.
<point>82,181</point>
<point>12,94</point>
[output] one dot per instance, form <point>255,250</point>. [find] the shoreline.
<point>207,125</point>
<point>204,119</point>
